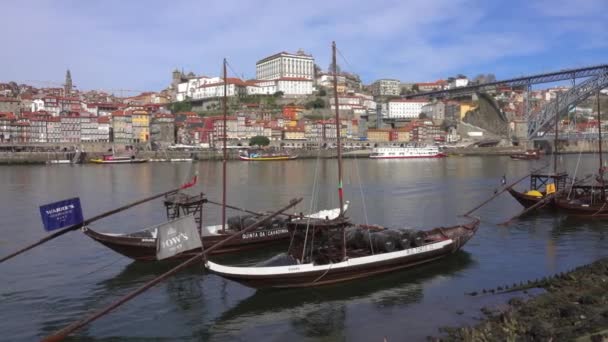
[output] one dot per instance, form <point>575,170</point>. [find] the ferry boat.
<point>407,152</point>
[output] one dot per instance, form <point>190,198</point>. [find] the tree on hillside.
<point>279,94</point>
<point>415,88</point>
<point>259,140</point>
<point>322,92</point>
<point>316,103</point>
<point>178,107</point>
<point>422,116</point>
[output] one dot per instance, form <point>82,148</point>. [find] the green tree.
<point>415,88</point>
<point>316,103</point>
<point>259,140</point>
<point>422,116</point>
<point>322,92</point>
<point>279,94</point>
<point>177,107</point>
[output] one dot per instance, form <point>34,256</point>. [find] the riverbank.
<point>574,307</point>
<point>16,158</point>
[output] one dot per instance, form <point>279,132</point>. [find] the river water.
<point>63,280</point>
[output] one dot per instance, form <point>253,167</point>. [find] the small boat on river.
<point>527,155</point>
<point>260,156</point>
<point>111,159</point>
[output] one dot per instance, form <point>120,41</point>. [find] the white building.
<point>285,64</point>
<point>386,87</point>
<point>402,108</point>
<point>458,82</point>
<point>298,86</point>
<point>234,87</point>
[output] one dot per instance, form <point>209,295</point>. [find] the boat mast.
<point>225,109</point>
<point>599,131</point>
<point>338,125</point>
<point>556,132</point>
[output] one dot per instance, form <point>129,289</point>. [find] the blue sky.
<point>136,44</point>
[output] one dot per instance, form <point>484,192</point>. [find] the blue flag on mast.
<point>61,214</point>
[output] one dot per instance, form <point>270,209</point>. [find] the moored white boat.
<point>406,152</point>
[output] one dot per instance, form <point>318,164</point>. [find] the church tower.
<point>68,84</point>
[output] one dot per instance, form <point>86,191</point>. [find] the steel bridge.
<point>524,81</point>
<point>539,122</point>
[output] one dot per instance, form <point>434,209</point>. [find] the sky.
<point>135,45</point>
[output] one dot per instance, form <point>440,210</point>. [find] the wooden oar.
<point>63,333</point>
<point>535,206</point>
<point>91,220</point>
<point>503,190</point>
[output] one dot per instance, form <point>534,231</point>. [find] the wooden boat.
<point>325,251</point>
<point>589,201</point>
<point>266,156</point>
<point>111,159</point>
<point>538,188</point>
<point>527,155</point>
<point>327,267</point>
<point>141,245</point>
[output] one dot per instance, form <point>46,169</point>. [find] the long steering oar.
<point>95,218</point>
<point>503,190</point>
<point>63,333</point>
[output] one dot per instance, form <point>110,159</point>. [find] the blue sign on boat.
<point>61,214</point>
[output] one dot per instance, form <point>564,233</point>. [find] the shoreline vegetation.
<point>573,307</point>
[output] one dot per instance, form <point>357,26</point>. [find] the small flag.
<point>503,181</point>
<point>61,214</point>
<point>340,191</point>
<point>550,188</point>
<point>176,237</point>
<point>191,182</point>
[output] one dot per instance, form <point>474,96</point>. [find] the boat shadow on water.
<point>319,311</point>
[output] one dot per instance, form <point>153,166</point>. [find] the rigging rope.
<point>369,232</point>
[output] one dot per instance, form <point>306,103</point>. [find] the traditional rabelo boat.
<point>543,184</point>
<point>538,188</point>
<point>261,156</point>
<point>141,245</point>
<point>527,155</point>
<point>588,201</point>
<point>327,251</point>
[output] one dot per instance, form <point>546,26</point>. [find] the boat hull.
<point>129,161</point>
<point>144,248</point>
<point>525,200</point>
<point>278,158</point>
<point>309,275</point>
<point>440,155</point>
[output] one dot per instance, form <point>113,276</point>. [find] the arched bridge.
<point>539,122</point>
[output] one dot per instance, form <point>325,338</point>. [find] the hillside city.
<point>290,102</point>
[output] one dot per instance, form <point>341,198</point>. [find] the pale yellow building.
<point>141,125</point>
<point>378,135</point>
